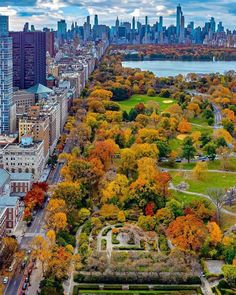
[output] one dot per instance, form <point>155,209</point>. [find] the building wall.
<point>25,159</point>
<point>29,59</point>
<point>6,89</point>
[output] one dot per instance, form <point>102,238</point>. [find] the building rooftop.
<point>39,89</point>
<point>8,201</point>
<point>21,176</point>
<point>4,176</point>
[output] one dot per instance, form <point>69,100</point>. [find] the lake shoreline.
<point>167,68</point>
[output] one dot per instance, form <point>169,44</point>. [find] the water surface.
<point>165,68</point>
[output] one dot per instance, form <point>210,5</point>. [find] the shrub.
<point>104,244</point>
<point>114,239</point>
<point>138,287</point>
<point>112,287</point>
<point>105,232</point>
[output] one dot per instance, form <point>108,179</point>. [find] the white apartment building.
<point>28,157</point>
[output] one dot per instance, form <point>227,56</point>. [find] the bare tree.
<point>218,198</point>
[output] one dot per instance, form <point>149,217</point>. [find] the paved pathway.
<point>69,284</point>
<point>201,195</point>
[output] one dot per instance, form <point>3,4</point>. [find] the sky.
<point>46,13</point>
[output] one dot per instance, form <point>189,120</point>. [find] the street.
<point>14,285</point>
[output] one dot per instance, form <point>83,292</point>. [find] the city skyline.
<point>50,11</point>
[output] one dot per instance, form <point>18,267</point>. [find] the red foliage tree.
<point>149,210</point>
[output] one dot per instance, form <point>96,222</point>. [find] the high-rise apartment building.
<point>29,59</point>
<point>61,30</point>
<point>6,71</point>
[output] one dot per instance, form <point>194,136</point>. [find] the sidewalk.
<point>35,279</point>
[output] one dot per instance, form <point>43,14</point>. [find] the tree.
<point>72,193</point>
<point>210,150</point>
<point>187,232</point>
<point>83,214</point>
<point>229,272</point>
<point>184,126</point>
<point>128,162</point>
<point>149,210</point>
<point>101,94</point>
<point>151,92</point>
<point>9,247</point>
<point>59,263</point>
<point>218,198</point>
<point>57,221</point>
<point>176,207</point>
<point>105,151</point>
<point>164,216</point>
<point>41,251</point>
<point>188,149</point>
<point>146,222</point>
<point>109,211</point>
<point>215,233</point>
<point>200,171</point>
<point>116,191</point>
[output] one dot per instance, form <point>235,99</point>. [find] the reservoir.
<point>165,68</point>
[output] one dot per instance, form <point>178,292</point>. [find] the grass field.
<point>212,165</point>
<point>130,292</point>
<point>185,198</point>
<point>130,103</point>
<point>212,180</point>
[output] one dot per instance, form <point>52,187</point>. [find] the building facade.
<point>6,72</point>
<point>29,59</point>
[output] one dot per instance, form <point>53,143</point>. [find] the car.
<point>25,286</point>
<point>5,280</point>
<point>26,280</point>
<point>28,251</point>
<point>23,264</point>
<point>10,269</point>
<point>178,160</point>
<point>29,223</point>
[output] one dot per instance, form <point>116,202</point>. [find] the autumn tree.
<point>200,171</point>
<point>9,247</point>
<point>215,233</point>
<point>187,232</point>
<point>105,151</point>
<point>184,126</point>
<point>72,193</point>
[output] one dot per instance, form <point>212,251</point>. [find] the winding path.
<point>172,187</point>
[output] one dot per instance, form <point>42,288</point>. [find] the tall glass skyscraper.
<point>6,76</point>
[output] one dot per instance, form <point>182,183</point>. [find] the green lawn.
<point>200,121</point>
<point>185,198</point>
<point>212,165</point>
<point>179,292</point>
<point>127,105</point>
<point>212,180</point>
<point>203,129</point>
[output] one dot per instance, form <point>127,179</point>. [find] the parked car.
<point>26,280</point>
<point>5,280</point>
<point>178,160</point>
<point>24,287</point>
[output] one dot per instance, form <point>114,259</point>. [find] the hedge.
<point>128,248</point>
<point>105,232</point>
<point>104,244</point>
<point>138,287</point>
<point>132,279</point>
<point>88,287</point>
<point>112,287</point>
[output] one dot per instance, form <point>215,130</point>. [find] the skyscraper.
<point>95,20</point>
<point>61,30</point>
<point>6,71</point>
<point>179,14</point>
<point>29,58</point>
